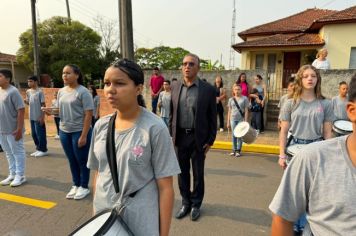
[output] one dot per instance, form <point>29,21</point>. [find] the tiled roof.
<point>344,16</point>
<point>297,23</point>
<point>282,40</point>
<point>7,57</point>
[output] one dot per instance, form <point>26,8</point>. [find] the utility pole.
<point>36,63</point>
<point>232,51</point>
<point>68,11</point>
<point>126,31</point>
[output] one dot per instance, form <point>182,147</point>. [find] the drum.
<point>342,127</point>
<point>292,150</point>
<point>246,132</point>
<point>108,223</point>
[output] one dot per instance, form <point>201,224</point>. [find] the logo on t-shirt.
<point>137,151</point>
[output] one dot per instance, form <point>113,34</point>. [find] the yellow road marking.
<point>27,201</point>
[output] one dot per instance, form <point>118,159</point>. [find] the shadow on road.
<point>225,172</point>
<point>49,183</point>
<point>240,214</point>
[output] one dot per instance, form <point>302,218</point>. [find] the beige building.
<point>19,72</point>
<point>282,46</point>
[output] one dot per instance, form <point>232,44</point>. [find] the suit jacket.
<point>205,120</point>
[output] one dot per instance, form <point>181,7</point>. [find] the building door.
<point>291,64</point>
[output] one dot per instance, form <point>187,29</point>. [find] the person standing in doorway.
<point>262,92</point>
<point>193,129</point>
<point>35,99</point>
<point>156,83</point>
<point>12,112</point>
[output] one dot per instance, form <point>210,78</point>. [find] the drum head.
<point>342,126</point>
<point>293,149</point>
<point>241,129</point>
<point>93,225</point>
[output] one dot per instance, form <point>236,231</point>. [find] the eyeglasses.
<point>190,64</point>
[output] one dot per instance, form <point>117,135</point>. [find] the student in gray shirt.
<point>96,100</point>
<point>75,112</point>
<point>35,99</point>
<point>308,115</point>
<point>339,102</point>
<point>12,110</point>
<point>321,181</point>
<point>164,101</point>
<point>234,116</point>
<point>145,156</point>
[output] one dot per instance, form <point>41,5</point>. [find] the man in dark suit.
<point>193,129</point>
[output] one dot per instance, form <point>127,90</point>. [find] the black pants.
<point>188,153</point>
<point>220,111</point>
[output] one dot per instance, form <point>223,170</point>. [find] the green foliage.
<point>166,58</point>
<point>61,43</point>
<point>208,65</point>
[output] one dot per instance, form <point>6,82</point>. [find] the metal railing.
<point>277,82</point>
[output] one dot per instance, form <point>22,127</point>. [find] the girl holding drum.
<point>238,111</point>
<point>145,156</point>
<point>307,114</point>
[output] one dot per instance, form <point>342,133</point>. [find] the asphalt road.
<point>238,192</point>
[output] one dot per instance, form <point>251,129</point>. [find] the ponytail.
<point>141,101</point>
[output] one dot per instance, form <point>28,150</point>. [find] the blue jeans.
<point>154,104</point>
<point>77,157</point>
<point>38,133</point>
<point>165,120</point>
<point>236,142</point>
<point>256,120</point>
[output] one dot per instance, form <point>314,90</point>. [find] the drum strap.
<point>111,153</point>
<point>291,137</point>
<point>239,108</point>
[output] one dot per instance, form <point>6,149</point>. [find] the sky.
<point>202,27</point>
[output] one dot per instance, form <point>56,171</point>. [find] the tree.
<point>208,65</point>
<point>165,57</point>
<point>109,47</point>
<point>61,43</point>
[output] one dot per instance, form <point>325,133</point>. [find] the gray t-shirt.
<point>55,104</point>
<point>10,102</point>
<point>144,153</point>
<point>35,98</point>
<point>307,118</point>
<point>96,104</point>
<point>321,181</point>
<point>281,103</point>
<point>339,107</point>
<point>235,114</point>
<point>72,107</point>
<point>165,100</point>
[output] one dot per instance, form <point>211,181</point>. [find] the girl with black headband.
<point>143,151</point>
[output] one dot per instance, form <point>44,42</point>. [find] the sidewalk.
<point>265,143</point>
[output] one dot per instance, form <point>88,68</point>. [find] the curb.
<point>258,148</point>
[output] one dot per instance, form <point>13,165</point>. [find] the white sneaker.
<point>41,154</point>
<point>81,193</point>
<point>56,137</point>
<point>8,180</point>
<point>34,153</point>
<point>232,154</point>
<point>221,130</point>
<point>18,180</point>
<point>72,192</point>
